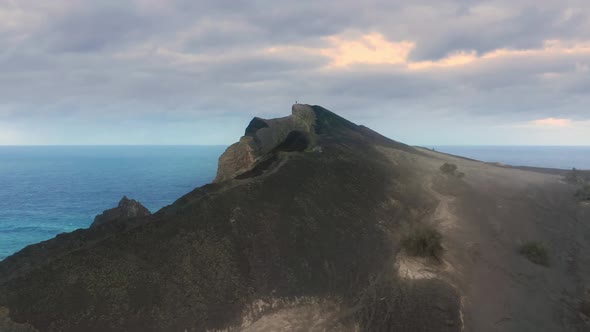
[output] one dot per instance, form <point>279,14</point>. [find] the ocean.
<point>47,190</point>
<point>564,157</point>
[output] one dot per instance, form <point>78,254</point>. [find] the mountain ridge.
<point>309,238</point>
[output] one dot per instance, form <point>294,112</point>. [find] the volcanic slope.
<point>302,231</point>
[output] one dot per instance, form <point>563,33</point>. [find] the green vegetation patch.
<point>448,168</point>
<point>583,193</point>
<point>391,304</point>
<point>423,241</point>
<point>535,252</point>
<point>585,307</point>
<point>576,176</point>
<point>582,180</point>
<point>451,169</point>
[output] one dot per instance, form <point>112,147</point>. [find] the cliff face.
<point>302,230</point>
<point>126,209</point>
<point>262,137</point>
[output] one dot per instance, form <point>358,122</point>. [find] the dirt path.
<point>442,216</point>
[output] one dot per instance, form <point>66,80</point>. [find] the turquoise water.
<point>565,157</point>
<point>48,190</point>
<point>45,191</point>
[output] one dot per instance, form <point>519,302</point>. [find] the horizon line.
<point>413,145</point>
<point>106,145</point>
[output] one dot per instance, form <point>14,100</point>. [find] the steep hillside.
<point>303,230</point>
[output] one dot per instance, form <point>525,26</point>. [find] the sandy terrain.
<point>484,218</point>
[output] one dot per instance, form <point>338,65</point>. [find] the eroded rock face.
<point>237,159</point>
<point>126,209</point>
<point>262,137</point>
<point>7,325</point>
<point>297,314</point>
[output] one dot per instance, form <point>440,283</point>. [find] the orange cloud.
<point>552,122</point>
<point>369,49</point>
<point>376,49</point>
<point>457,59</point>
<point>550,48</point>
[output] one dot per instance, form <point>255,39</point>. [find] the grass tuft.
<point>423,241</point>
<point>451,169</point>
<point>583,194</point>
<point>447,168</point>
<point>535,252</point>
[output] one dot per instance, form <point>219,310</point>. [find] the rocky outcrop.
<point>262,137</point>
<point>126,209</point>
<point>7,325</point>
<point>317,246</point>
<point>238,158</point>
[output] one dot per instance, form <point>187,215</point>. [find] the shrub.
<point>451,169</point>
<point>423,241</point>
<point>585,307</point>
<point>535,252</point>
<point>572,177</point>
<point>577,177</point>
<point>448,168</point>
<point>584,193</point>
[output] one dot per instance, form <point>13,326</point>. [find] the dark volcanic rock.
<point>301,224</point>
<point>127,215</point>
<point>7,325</point>
<point>126,209</point>
<point>263,136</point>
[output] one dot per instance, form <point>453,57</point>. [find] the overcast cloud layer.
<point>194,72</point>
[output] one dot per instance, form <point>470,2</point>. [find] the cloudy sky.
<point>426,72</point>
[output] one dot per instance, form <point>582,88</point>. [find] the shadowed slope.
<point>302,231</point>
<point>314,224</point>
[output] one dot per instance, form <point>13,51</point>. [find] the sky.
<point>424,72</point>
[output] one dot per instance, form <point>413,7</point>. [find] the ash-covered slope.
<point>301,231</point>
<point>307,221</point>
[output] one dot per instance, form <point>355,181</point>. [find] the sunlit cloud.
<point>551,48</point>
<point>457,59</point>
<point>552,122</point>
<point>375,49</point>
<point>368,49</point>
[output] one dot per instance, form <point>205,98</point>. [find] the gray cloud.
<point>483,32</point>
<point>95,30</point>
<point>155,60</point>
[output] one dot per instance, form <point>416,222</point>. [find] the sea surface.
<point>564,157</point>
<point>47,190</point>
